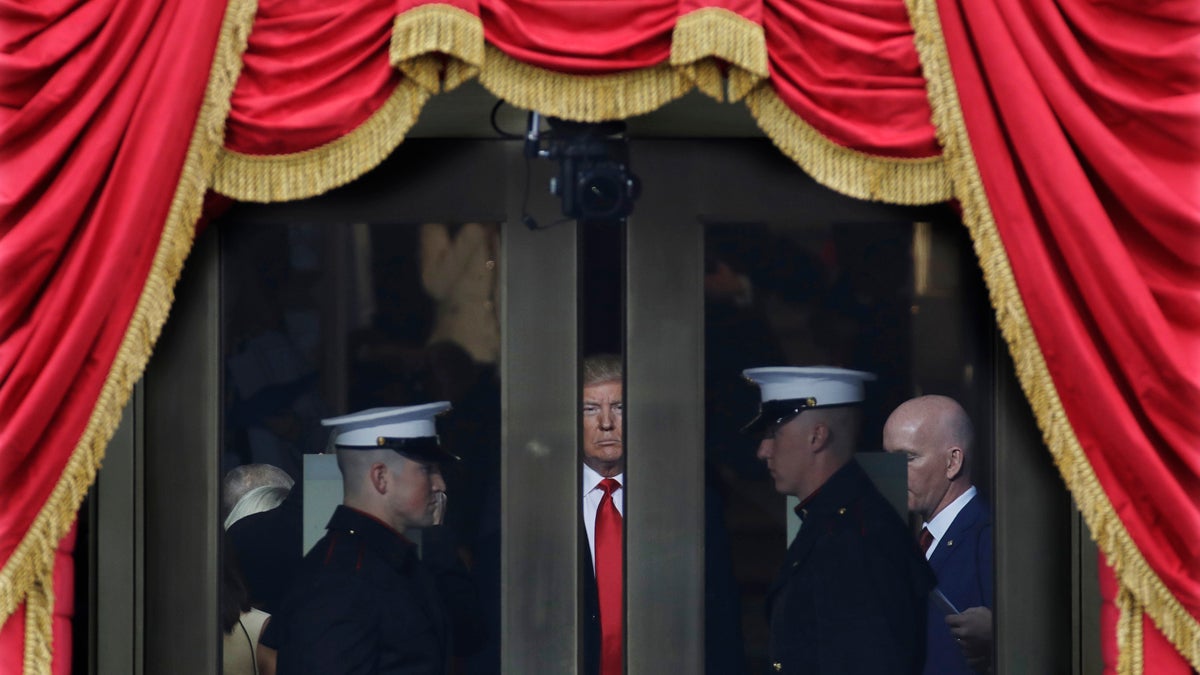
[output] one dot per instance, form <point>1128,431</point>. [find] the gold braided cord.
<point>1130,641</point>
<point>299,175</point>
<point>437,46</point>
<point>583,98</point>
<point>852,173</point>
<point>1133,573</point>
<point>28,573</point>
<point>39,628</point>
<point>706,37</point>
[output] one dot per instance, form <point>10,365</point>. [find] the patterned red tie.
<point>926,540</point>
<point>609,569</point>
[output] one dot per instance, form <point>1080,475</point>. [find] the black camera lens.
<point>603,192</point>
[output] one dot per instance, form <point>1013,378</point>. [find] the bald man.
<point>936,436</point>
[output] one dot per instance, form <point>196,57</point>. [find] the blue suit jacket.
<point>962,562</point>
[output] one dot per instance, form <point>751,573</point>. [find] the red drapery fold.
<point>312,72</point>
<point>849,68</point>
<point>99,103</point>
<point>1083,120</point>
<point>588,37</point>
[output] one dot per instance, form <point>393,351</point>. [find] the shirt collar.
<point>591,479</point>
<point>941,522</point>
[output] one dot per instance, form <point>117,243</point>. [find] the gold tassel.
<point>1130,641</point>
<point>897,181</point>
<point>706,36</point>
<point>281,178</point>
<point>583,98</point>
<point>437,46</point>
<point>39,626</point>
<point>1133,572</point>
<point>29,570</point>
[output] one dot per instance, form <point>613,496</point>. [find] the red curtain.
<point>98,102</point>
<point>1083,121</point>
<point>313,71</point>
<point>849,68</point>
<point>1078,122</point>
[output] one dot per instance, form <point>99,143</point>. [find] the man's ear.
<point>819,437</point>
<point>379,477</point>
<point>954,463</point>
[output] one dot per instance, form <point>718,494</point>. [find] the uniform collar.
<point>833,493</point>
<point>374,532</point>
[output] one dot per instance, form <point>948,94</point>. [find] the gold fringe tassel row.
<point>1130,653</point>
<point>704,38</point>
<point>281,178</point>
<point>582,98</point>
<point>28,574</point>
<point>438,46</point>
<point>852,173</point>
<point>1133,573</point>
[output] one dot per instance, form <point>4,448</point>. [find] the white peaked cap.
<point>825,385</point>
<point>365,428</point>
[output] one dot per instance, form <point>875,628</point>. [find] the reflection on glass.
<point>901,300</point>
<point>323,320</point>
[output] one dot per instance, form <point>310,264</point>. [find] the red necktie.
<point>609,569</point>
<point>926,539</point>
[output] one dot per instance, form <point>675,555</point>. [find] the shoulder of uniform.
<point>341,550</point>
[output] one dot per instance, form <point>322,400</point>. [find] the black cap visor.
<point>420,449</point>
<point>774,413</point>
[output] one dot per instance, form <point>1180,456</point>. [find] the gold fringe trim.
<point>706,36</point>
<point>437,46</point>
<point>853,173</point>
<point>299,175</point>
<point>583,98</point>
<point>1130,645</point>
<point>28,574</point>
<point>1133,572</point>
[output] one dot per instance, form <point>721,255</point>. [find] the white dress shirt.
<point>591,503</point>
<point>941,522</point>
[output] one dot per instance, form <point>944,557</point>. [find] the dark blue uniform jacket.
<point>852,594</point>
<point>362,603</point>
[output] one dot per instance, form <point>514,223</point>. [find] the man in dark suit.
<point>850,599</point>
<point>603,514</point>
<point>936,435</point>
<point>604,459</point>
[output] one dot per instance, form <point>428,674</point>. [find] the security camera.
<point>594,180</point>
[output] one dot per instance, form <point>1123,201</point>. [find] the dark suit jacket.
<point>723,645</point>
<point>591,607</point>
<point>851,597</point>
<point>962,562</point>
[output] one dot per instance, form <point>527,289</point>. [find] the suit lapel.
<point>949,542</point>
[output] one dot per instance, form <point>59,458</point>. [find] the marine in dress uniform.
<point>363,601</point>
<point>851,596</point>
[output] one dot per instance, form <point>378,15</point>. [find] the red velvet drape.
<point>1084,120</point>
<point>98,101</point>
<point>849,68</point>
<point>312,72</point>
